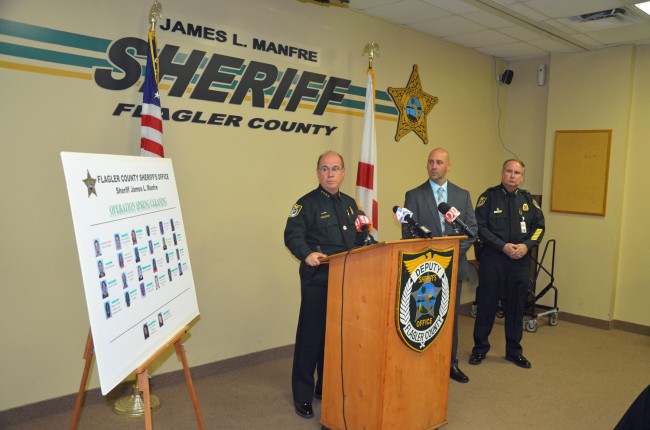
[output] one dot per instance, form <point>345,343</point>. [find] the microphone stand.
<point>413,231</point>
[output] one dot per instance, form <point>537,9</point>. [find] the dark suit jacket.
<point>422,203</point>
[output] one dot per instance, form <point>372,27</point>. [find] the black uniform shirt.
<point>313,224</point>
<point>504,217</point>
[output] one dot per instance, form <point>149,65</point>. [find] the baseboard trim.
<point>631,327</point>
<point>466,308</point>
<point>18,415</point>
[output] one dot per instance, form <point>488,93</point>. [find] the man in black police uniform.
<point>510,223</point>
<point>321,223</point>
<point>423,201</point>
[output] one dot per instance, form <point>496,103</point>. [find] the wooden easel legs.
<point>142,375</point>
<point>180,352</point>
<point>143,383</point>
<point>88,356</point>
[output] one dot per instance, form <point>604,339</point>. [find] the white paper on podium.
<point>135,261</point>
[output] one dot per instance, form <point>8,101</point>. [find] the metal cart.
<point>533,310</point>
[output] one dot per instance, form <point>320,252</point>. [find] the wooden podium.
<point>382,383</point>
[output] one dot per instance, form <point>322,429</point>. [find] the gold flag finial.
<point>371,50</point>
<point>155,13</point>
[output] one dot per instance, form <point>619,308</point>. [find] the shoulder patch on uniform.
<point>536,204</point>
<point>295,210</point>
<point>481,201</point>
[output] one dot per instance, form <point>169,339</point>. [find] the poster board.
<point>134,257</point>
<point>580,171</point>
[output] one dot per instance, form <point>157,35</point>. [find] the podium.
<point>372,378</point>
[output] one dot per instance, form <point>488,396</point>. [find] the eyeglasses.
<point>326,170</point>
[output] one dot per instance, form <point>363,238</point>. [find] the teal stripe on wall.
<point>385,109</point>
<point>51,56</point>
<point>48,35</point>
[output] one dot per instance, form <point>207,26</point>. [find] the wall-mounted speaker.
<point>506,77</point>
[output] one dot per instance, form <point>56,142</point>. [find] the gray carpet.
<point>582,378</point>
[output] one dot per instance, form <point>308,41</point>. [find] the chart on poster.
<point>134,257</point>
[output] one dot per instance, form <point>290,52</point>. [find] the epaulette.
<point>325,193</point>
<point>526,192</point>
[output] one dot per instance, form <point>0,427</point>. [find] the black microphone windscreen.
<point>395,209</point>
<point>443,208</point>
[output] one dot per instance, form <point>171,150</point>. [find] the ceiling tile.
<point>556,23</point>
<point>587,40</point>
<point>531,13</point>
<point>481,38</point>
<point>520,33</point>
<point>550,45</point>
<point>487,19</point>
<point>449,26</point>
<point>621,35</point>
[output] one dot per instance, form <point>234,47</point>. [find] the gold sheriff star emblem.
<point>413,105</point>
<point>90,184</point>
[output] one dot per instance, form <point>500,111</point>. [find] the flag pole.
<point>133,406</point>
<point>151,121</point>
<point>366,186</point>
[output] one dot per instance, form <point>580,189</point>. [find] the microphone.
<point>452,216</point>
<point>405,216</point>
<point>401,214</point>
<point>362,224</point>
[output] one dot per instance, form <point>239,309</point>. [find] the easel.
<point>143,379</point>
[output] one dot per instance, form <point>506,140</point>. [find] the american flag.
<point>151,132</point>
<point>366,191</point>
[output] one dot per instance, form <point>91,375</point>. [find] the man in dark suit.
<point>423,201</point>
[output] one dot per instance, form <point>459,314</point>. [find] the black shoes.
<point>476,358</point>
<point>519,360</point>
<point>457,375</point>
<point>304,409</point>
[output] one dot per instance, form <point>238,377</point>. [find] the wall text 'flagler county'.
<point>227,120</point>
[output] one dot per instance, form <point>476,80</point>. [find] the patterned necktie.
<point>441,199</point>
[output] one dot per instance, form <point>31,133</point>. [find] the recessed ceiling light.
<point>645,6</point>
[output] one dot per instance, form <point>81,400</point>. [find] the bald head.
<point>437,165</point>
